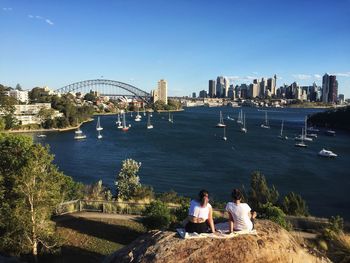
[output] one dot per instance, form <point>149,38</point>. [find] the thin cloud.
<point>7,9</point>
<point>302,76</point>
<point>343,74</point>
<point>317,76</point>
<point>47,20</point>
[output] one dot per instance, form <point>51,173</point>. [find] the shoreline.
<point>49,130</point>
<point>170,110</point>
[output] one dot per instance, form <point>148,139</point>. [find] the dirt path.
<point>96,215</point>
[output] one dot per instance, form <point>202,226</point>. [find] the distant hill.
<point>334,118</point>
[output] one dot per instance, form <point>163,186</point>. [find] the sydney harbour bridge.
<point>107,87</point>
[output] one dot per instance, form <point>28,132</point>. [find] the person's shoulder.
<point>209,205</point>
<point>229,205</point>
<point>246,206</point>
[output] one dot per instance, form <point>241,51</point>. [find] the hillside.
<point>272,244</point>
<point>335,119</point>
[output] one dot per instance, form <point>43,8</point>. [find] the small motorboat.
<point>327,153</point>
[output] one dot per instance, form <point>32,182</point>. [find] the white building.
<point>161,93</point>
<point>20,95</point>
<point>28,114</point>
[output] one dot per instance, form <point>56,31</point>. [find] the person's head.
<point>236,195</point>
<point>203,197</point>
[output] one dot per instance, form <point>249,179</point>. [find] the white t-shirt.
<point>197,211</point>
<point>240,215</point>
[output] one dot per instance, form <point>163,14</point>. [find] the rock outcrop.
<point>272,244</point>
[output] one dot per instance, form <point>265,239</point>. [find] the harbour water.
<point>189,155</point>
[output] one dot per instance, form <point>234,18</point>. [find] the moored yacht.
<point>79,135</point>
<point>221,124</point>
<point>327,153</point>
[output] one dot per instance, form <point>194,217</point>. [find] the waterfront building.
<point>262,89</point>
<point>20,95</point>
<point>329,88</point>
<point>231,92</point>
<point>244,91</point>
<point>194,95</point>
<point>212,88</point>
<point>253,90</point>
<point>341,98</point>
<point>28,113</point>
<point>271,87</point>
<point>161,93</point>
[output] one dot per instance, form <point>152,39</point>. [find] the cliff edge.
<point>272,244</point>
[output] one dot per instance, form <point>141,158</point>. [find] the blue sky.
<point>187,42</point>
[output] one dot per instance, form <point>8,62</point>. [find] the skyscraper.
<point>329,88</point>
<point>220,86</point>
<point>161,93</point>
<point>212,89</point>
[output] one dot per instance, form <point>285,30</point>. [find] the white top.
<point>197,211</point>
<point>240,216</point>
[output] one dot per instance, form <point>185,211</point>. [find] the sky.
<point>187,42</point>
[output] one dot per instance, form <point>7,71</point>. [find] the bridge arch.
<point>145,96</point>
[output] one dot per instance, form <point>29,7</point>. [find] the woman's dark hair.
<point>236,194</point>
<point>202,195</point>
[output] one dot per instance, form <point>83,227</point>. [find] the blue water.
<point>190,154</point>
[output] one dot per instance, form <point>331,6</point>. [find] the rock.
<point>272,244</point>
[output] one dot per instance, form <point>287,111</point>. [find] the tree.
<point>45,115</point>
<point>18,87</point>
<point>90,97</point>
<point>2,124</point>
<point>157,216</point>
<point>293,204</point>
<point>127,180</point>
<point>30,189</point>
<point>260,193</point>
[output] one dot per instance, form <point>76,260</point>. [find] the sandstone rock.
<point>272,244</point>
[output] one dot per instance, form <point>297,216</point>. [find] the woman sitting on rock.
<point>200,215</point>
<point>240,216</point>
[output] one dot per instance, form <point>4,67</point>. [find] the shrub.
<point>156,216</point>
<point>275,214</point>
<point>181,212</point>
<point>293,204</point>
<point>143,192</point>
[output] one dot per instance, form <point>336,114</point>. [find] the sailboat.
<point>118,122</point>
<point>224,137</point>
<point>265,125</point>
<point>301,144</point>
<point>240,117</point>
<point>79,134</point>
<point>221,124</point>
<point>41,135</point>
<point>144,111</point>
<point>303,136</point>
<point>98,126</point>
<point>125,128</point>
<point>171,117</point>
<point>281,133</point>
<point>243,128</point>
<point>138,116</point>
<point>149,125</point>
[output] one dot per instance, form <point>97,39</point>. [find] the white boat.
<point>144,111</point>
<point>99,136</point>
<point>41,136</point>
<point>327,153</point>
<point>303,136</point>
<point>138,116</point>
<point>125,128</point>
<point>265,125</point>
<point>281,133</point>
<point>240,117</point>
<point>312,135</point>
<point>301,144</point>
<point>79,135</point>
<point>230,118</point>
<point>98,126</point>
<point>149,125</point>
<point>224,137</point>
<point>118,122</point>
<point>243,128</point>
<point>312,129</point>
<point>221,124</point>
<point>330,133</point>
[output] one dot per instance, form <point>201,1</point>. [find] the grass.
<point>90,240</point>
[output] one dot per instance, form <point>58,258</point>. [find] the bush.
<point>143,192</point>
<point>156,216</point>
<point>293,204</point>
<point>181,212</point>
<point>275,214</point>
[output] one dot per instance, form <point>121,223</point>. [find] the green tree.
<point>159,105</point>
<point>18,87</point>
<point>127,180</point>
<point>293,204</point>
<point>156,216</point>
<point>31,187</point>
<point>260,193</point>
<point>45,116</point>
<point>90,97</point>
<point>275,214</point>
<point>2,124</point>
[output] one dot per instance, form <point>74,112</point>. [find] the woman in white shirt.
<point>240,216</point>
<point>200,215</point>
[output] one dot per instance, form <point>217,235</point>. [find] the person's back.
<point>240,214</point>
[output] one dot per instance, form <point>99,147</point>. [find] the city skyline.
<point>186,43</point>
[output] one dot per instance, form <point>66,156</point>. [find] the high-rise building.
<point>220,86</point>
<point>212,89</point>
<point>271,86</point>
<point>203,94</point>
<point>161,93</point>
<point>329,88</point>
<point>262,90</point>
<point>231,92</point>
<point>333,89</point>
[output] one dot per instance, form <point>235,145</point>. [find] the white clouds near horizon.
<point>46,20</point>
